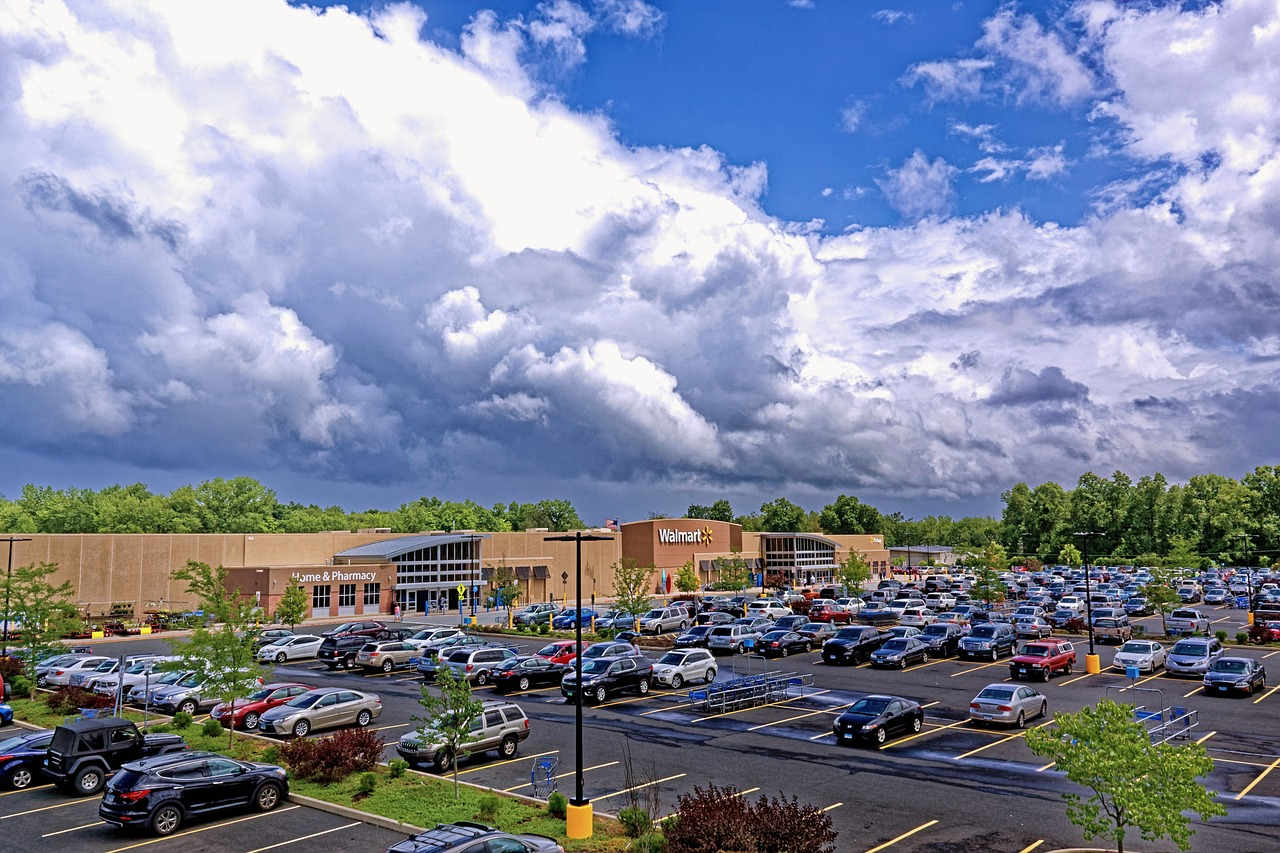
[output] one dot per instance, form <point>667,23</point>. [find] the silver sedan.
<point>291,648</point>
<point>1008,704</point>
<point>1146,655</point>
<point>326,708</point>
<point>683,666</point>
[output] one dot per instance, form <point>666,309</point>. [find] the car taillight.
<point>5,757</point>
<point>1003,708</point>
<point>134,796</point>
<point>374,654</point>
<point>975,706</point>
<point>470,667</point>
<point>775,645</point>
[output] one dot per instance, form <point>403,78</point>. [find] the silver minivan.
<point>733,639</point>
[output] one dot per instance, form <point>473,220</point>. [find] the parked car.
<point>662,619</point>
<point>836,613</point>
<point>468,837</point>
<point>134,674</point>
<point>21,756</point>
<point>676,668</point>
<point>88,678</point>
<point>942,638</point>
<point>1011,704</point>
<point>162,793</point>
<point>790,623</point>
<point>268,636</point>
<point>385,656</point>
<point>917,617</point>
<point>429,658</point>
<point>770,608</point>
<point>478,665</point>
<point>783,643</point>
<point>432,636</point>
<point>990,640</point>
<point>714,617</point>
<point>293,647</point>
<point>188,694</point>
<point>1137,606</point>
<point>140,693</point>
<point>323,708</point>
<point>1186,621</point>
<point>1042,658</point>
<point>852,644</point>
<point>696,637</point>
<point>82,754</point>
<point>732,639</point>
<point>44,667</point>
<point>570,617</point>
<point>1146,655</point>
<point>559,651</point>
<point>366,628</point>
<point>900,653</point>
<point>60,675</point>
<point>245,713</point>
<point>500,726</point>
<point>603,676</point>
<point>536,614</point>
<point>818,632</point>
<point>875,718</point>
<point>1235,673</point>
<point>525,673</point>
<point>1193,656</point>
<point>337,652</point>
<point>609,649</point>
<point>616,620</point>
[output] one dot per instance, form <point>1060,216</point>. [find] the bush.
<point>1258,633</point>
<point>1221,635</point>
<point>368,783</point>
<point>487,809</point>
<point>271,755</point>
<point>182,720</point>
<point>69,700</point>
<point>635,821</point>
<point>1074,626</point>
<point>557,805</point>
<point>211,728</point>
<point>720,819</point>
<point>20,685</point>
<point>544,627</point>
<point>334,757</point>
<point>396,767</point>
<point>11,668</point>
<point>652,842</point>
<point>1242,637</point>
<point>604,633</point>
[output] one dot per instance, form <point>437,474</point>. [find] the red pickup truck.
<point>1042,658</point>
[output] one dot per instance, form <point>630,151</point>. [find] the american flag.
<point>611,523</point>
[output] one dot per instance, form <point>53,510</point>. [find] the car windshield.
<point>935,630</point>
<point>306,700</point>
<point>895,646</point>
<point>1136,648</point>
<point>137,669</point>
<point>1190,648</point>
<point>105,666</point>
<point>999,694</point>
<point>673,658</point>
<point>983,631</point>
<point>553,649</point>
<point>260,694</point>
<point>190,681</point>
<point>1229,665</point>
<point>869,705</point>
<point>848,633</point>
<point>1035,651</point>
<point>698,630</point>
<point>653,614</point>
<point>593,666</point>
<point>345,626</point>
<point>10,744</point>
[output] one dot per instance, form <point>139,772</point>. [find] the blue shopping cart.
<point>543,776</point>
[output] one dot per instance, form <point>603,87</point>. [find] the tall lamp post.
<point>578,816</point>
<point>1248,575</point>
<point>1091,663</point>
<point>8,582</point>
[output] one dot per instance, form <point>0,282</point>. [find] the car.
<point>44,666</point>
<point>293,647</point>
<point>1235,673</point>
<point>83,753</point>
<point>134,674</point>
<point>431,636</point>
<point>770,608</point>
<point>499,726</point>
<point>189,695</point>
<point>341,651</point>
<point>696,637</point>
<point>6,710</point>
<point>386,656</point>
<point>1062,618</point>
<point>1033,627</point>
<point>714,617</point>
<point>602,676</point>
<point>852,644</point>
<point>322,708</point>
<point>1215,595</point>
<point>662,619</point>
<point>732,639</point>
<point>1186,621</point>
<point>875,718</point>
<point>559,651</point>
<point>988,640</point>
<point>162,793</point>
<point>783,643</point>
<point>1011,704</point>
<point>468,837</point>
<point>429,658</point>
<point>917,617</point>
<point>1043,658</point>
<point>942,638</point>
<point>904,632</point>
<point>269,636</point>
<point>536,614</point>
<point>1188,594</point>
<point>478,665</point>
<point>790,623</point>
<point>832,612</point>
<point>140,693</point>
<point>1271,631</point>
<point>88,678</point>
<point>570,618</point>
<point>245,713</point>
<point>60,675</point>
<point>364,629</point>
<point>609,649</point>
<point>1193,656</point>
<point>616,620</point>
<point>21,756</point>
<point>900,653</point>
<point>1146,655</point>
<point>527,672</point>
<point>678,667</point>
<point>1137,606</point>
<point>818,632</point>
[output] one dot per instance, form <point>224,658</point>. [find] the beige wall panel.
<point>125,571</point>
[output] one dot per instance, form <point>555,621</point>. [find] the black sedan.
<point>876,718</point>
<point>783,643</point>
<point>162,792</point>
<point>695,637</point>
<point>1243,674</point>
<point>901,652</point>
<point>267,636</point>
<point>466,837</point>
<point>527,672</point>
<point>21,757</point>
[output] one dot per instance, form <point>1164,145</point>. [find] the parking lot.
<point>954,783</point>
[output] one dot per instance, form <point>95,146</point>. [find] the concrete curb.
<point>356,814</point>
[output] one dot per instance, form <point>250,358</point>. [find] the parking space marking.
<point>665,708</point>
<point>48,808</point>
<point>974,668</point>
<point>834,710</point>
<point>305,837</point>
<point>204,829</point>
<point>396,726</point>
<point>1261,776</point>
<point>534,690</point>
<point>832,807</point>
<point>1193,691</point>
<point>507,761</point>
<point>1004,739</point>
<point>633,699</point>
<point>25,790</point>
<point>765,705</point>
<point>72,829</point>
<point>1046,767</point>
<point>1205,738</point>
<point>922,734</point>
<point>1265,695</point>
<point>1031,846</point>
<point>563,775</point>
<point>893,841</point>
<point>632,788</point>
<point>1077,678</point>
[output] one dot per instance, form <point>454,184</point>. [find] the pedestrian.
<point>397,612</point>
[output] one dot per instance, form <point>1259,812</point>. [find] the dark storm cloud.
<point>1023,388</point>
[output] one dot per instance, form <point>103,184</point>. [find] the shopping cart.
<point>543,776</point>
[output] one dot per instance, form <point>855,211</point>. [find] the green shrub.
<point>211,728</point>
<point>159,729</point>
<point>487,809</point>
<point>1221,635</point>
<point>396,767</point>
<point>368,782</point>
<point>544,627</point>
<point>69,700</point>
<point>19,684</point>
<point>557,805</point>
<point>604,633</point>
<point>635,821</point>
<point>651,842</point>
<point>334,757</point>
<point>182,720</point>
<point>1242,637</point>
<point>271,755</point>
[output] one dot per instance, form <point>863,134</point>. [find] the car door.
<point>896,717</point>
<point>326,713</point>
<point>231,786</point>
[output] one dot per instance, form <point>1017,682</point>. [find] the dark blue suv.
<point>21,757</point>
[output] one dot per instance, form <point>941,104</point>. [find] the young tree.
<point>734,573</point>
<point>505,585</point>
<point>1162,593</point>
<point>449,716</point>
<point>1136,784</point>
<point>292,607</point>
<point>631,586</point>
<point>854,571</point>
<point>1070,555</point>
<point>989,563</point>
<point>222,651</point>
<point>41,612</point>
<point>687,578</point>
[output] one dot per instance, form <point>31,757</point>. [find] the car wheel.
<point>188,706</point>
<point>924,658</point>
<point>902,664</point>
<point>601,694</point>
<point>857,658</point>
<point>301,728</point>
<point>267,798</point>
<point>89,781</point>
<point>740,649</point>
<point>388,665</point>
<point>711,674</point>
<point>995,654</point>
<point>676,681</point>
<point>280,657</point>
<point>523,683</point>
<point>19,777</point>
<point>166,820</point>
<point>1022,719</point>
<point>441,761</point>
<point>1067,670</point>
<point>507,749</point>
<point>880,735</point>
<point>785,652</point>
<point>916,724</point>
<point>1044,709</point>
<point>364,718</point>
<point>806,648</point>
<point>251,721</point>
<point>643,686</point>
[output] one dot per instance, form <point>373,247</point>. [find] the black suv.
<point>467,836</point>
<point>341,651</point>
<point>162,792</point>
<point>83,753</point>
<point>852,644</point>
<point>602,676</point>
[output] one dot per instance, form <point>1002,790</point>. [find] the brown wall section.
<point>642,541</point>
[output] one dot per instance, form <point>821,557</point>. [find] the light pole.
<point>1091,663</point>
<point>1248,575</point>
<point>578,817</point>
<point>8,582</point>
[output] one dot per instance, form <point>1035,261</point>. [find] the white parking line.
<point>72,829</point>
<point>635,787</point>
<point>48,808</point>
<point>203,829</point>
<point>305,837</point>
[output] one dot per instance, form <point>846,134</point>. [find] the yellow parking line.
<point>1238,761</point>
<point>1261,776</point>
<point>72,829</point>
<point>204,829</point>
<point>1046,767</point>
<point>507,761</point>
<point>1077,678</point>
<point>976,668</point>
<point>800,717</point>
<point>1193,691</point>
<point>893,841</point>
<point>48,808</point>
<point>396,726</point>
<point>832,807</point>
<point>1265,695</point>
<point>634,787</point>
<point>24,790</point>
<point>305,837</point>
<point>736,794</point>
<point>922,734</point>
<point>562,776</point>
<point>1005,739</point>
<point>1031,846</point>
<point>1205,738</point>
<point>765,705</point>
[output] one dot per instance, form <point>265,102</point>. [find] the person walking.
<point>397,612</point>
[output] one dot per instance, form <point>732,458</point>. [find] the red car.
<point>833,613</point>
<point>245,713</point>
<point>560,651</point>
<point>1273,631</point>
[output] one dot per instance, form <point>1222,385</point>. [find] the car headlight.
<point>870,727</point>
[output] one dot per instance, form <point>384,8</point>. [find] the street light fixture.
<point>1091,662</point>
<point>8,582</point>
<point>578,819</point>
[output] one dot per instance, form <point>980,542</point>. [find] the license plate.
<point>1222,687</point>
<point>1022,670</point>
<point>986,716</point>
<point>847,736</point>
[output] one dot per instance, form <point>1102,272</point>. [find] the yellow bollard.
<point>145,629</point>
<point>577,820</point>
<point>1250,619</point>
<point>1092,664</point>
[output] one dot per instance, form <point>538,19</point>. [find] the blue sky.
<point>638,255</point>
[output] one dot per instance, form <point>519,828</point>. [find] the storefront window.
<point>372,594</point>
<point>320,598</point>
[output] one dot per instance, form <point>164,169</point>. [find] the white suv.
<point>770,608</point>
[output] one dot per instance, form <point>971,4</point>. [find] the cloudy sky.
<point>637,255</point>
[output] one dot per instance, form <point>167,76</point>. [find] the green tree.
<point>557,515</point>
<point>988,564</point>
<point>1070,555</point>
<point>1135,784</point>
<point>734,573</point>
<point>506,586</point>
<point>239,505</point>
<point>1162,594</point>
<point>42,611</point>
<point>781,515</point>
<point>292,607</point>
<point>847,516</point>
<point>854,571</point>
<point>718,511</point>
<point>686,578</point>
<point>449,717</point>
<point>222,650</point>
<point>631,585</point>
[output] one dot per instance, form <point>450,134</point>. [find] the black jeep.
<point>84,753</point>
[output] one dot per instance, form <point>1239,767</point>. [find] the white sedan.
<point>1146,655</point>
<point>682,666</point>
<point>290,648</point>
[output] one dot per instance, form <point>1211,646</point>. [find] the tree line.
<point>1209,518</point>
